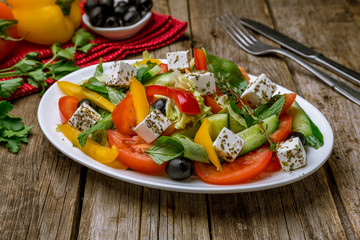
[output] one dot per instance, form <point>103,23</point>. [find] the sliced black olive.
<point>131,17</point>
<point>180,168</point>
<point>96,16</point>
<point>88,102</point>
<point>89,5</point>
<point>132,8</point>
<point>112,21</point>
<point>160,105</point>
<point>132,2</point>
<point>300,135</point>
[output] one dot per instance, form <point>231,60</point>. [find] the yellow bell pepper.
<point>94,150</point>
<point>141,104</point>
<point>46,21</point>
<point>75,90</point>
<point>157,61</point>
<point>203,138</point>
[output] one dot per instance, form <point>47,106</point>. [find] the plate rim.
<point>175,186</point>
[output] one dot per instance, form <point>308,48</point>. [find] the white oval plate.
<point>49,117</point>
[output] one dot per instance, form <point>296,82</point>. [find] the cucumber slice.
<point>253,136</point>
<point>218,122</point>
<point>303,124</point>
<point>161,79</point>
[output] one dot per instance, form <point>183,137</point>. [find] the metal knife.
<point>302,50</point>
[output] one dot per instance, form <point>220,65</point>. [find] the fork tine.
<point>234,34</point>
<point>238,31</point>
<point>239,25</point>
<point>230,31</point>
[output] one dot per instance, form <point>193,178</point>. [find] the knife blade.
<point>302,50</point>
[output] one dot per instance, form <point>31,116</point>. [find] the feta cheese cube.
<point>177,60</point>
<point>259,91</point>
<point>204,82</point>
<point>228,145</point>
<point>291,154</point>
<point>84,117</point>
<point>152,126</point>
<point>120,74</point>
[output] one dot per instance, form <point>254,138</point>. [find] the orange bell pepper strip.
<point>75,90</point>
<point>203,138</point>
<point>141,104</point>
<point>94,150</point>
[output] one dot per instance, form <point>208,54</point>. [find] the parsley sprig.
<point>35,72</point>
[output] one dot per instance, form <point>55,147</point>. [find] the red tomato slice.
<point>210,102</point>
<point>241,170</point>
<point>124,116</point>
<point>284,128</point>
<point>164,68</point>
<point>289,100</point>
<point>200,59</point>
<point>131,153</point>
<point>274,164</point>
<point>67,107</point>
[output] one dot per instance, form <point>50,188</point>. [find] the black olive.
<point>132,2</point>
<point>87,101</point>
<point>300,135</point>
<point>144,5</point>
<point>120,9</point>
<point>160,105</point>
<point>180,168</point>
<point>132,8</point>
<point>96,16</point>
<point>89,5</point>
<point>107,3</point>
<point>112,22</point>
<point>131,17</point>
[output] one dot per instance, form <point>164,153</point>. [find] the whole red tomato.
<point>6,46</point>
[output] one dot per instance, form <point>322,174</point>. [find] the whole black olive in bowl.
<point>89,5</point>
<point>96,16</point>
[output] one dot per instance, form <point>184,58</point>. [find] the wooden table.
<point>46,195</point>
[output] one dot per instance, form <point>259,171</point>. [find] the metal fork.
<point>253,46</point>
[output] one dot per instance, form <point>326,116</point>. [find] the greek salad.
<point>200,116</point>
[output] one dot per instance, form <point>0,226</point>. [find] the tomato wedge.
<point>164,68</point>
<point>284,129</point>
<point>289,100</point>
<point>67,107</point>
<point>241,170</point>
<point>210,102</point>
<point>274,164</point>
<point>200,59</point>
<point>131,153</point>
<point>124,116</point>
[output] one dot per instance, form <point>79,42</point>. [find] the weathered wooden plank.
<point>294,211</point>
<point>331,29</point>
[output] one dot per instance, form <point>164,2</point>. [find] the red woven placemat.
<point>160,31</point>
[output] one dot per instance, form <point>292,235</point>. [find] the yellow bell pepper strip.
<point>94,150</point>
<point>145,61</point>
<point>203,138</point>
<point>141,103</point>
<point>75,90</point>
<point>46,21</point>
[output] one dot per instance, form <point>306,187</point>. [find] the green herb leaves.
<point>227,74</point>
<point>166,148</point>
<point>13,132</point>
<point>147,72</point>
<point>32,68</point>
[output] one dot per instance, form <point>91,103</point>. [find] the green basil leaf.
<point>164,149</point>
<point>192,150</point>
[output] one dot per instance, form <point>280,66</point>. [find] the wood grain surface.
<point>46,195</point>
